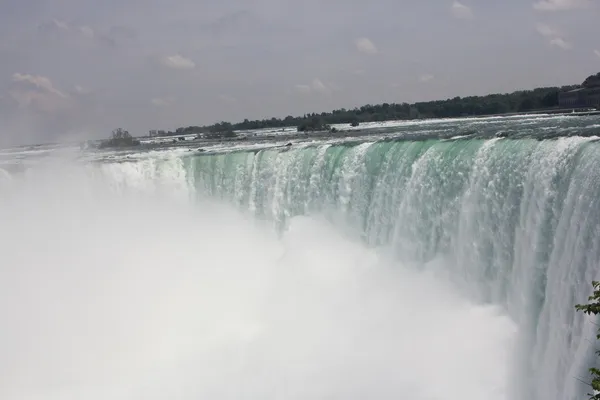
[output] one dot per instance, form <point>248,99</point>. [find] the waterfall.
<point>513,222</point>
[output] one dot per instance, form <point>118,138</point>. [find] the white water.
<point>115,285</point>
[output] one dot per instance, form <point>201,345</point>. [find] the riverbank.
<point>345,130</point>
<point>415,130</point>
<point>574,111</point>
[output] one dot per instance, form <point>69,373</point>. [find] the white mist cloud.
<point>597,52</point>
<point>316,86</point>
<point>163,101</point>
<point>178,62</point>
<point>320,87</point>
<point>34,105</point>
<point>82,90</point>
<point>560,42</point>
<point>426,78</point>
<point>41,82</point>
<point>365,45</point>
<point>461,11</point>
<point>38,93</point>
<point>561,5</point>
<point>554,36</point>
<point>303,88</point>
<point>87,31</point>
<point>60,24</point>
<point>193,301</point>
<point>546,30</point>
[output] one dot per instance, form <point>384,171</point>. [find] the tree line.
<point>119,138</point>
<point>539,99</point>
<point>492,104</point>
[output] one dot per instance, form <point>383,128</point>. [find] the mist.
<point>114,288</point>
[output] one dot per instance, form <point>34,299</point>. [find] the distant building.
<point>581,97</point>
<point>588,95</point>
<point>593,96</point>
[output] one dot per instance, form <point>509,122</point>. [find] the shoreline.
<point>576,112</point>
<point>289,139</point>
<point>173,141</point>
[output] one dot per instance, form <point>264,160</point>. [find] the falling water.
<point>509,222</point>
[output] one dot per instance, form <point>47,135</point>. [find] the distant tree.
<point>593,308</point>
<point>493,104</point>
<point>315,123</point>
<point>120,138</point>
<point>526,105</point>
<point>550,99</point>
<point>121,134</point>
<point>592,81</point>
<point>221,129</point>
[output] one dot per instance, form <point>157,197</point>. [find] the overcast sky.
<point>79,68</point>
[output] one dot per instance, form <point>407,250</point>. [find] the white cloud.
<point>426,78</point>
<point>162,101</point>
<point>546,31</point>
<point>365,45</point>
<point>178,62</point>
<point>559,42</point>
<point>320,87</point>
<point>56,25</point>
<point>60,32</point>
<point>60,25</point>
<point>554,36</point>
<point>597,52</point>
<point>81,90</point>
<point>461,11</point>
<point>38,93</point>
<point>87,31</point>
<point>39,81</point>
<point>561,5</point>
<point>317,86</point>
<point>43,101</point>
<point>303,89</point>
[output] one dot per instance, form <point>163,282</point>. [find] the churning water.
<point>382,269</point>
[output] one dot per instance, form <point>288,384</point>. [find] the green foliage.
<point>219,130</point>
<point>492,104</point>
<point>120,138</point>
<point>531,100</point>
<point>314,124</point>
<point>592,81</point>
<point>221,127</point>
<point>593,308</point>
